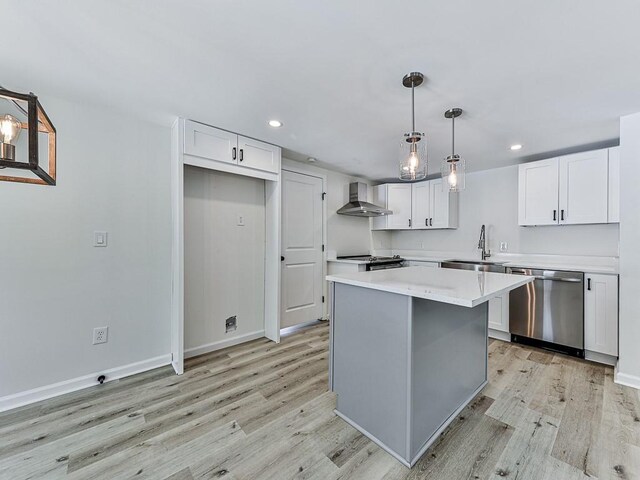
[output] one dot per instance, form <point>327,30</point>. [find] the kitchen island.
<point>409,350</point>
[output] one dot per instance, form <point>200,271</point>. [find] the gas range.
<point>376,262</point>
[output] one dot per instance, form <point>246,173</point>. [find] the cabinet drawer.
<point>208,142</point>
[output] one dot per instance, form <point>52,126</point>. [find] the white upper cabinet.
<point>444,206</point>
<point>416,206</point>
<point>584,187</point>
<point>601,314</point>
<point>420,205</point>
<point>614,185</point>
<point>216,149</point>
<point>259,155</point>
<point>538,193</point>
<point>208,142</point>
<point>581,188</point>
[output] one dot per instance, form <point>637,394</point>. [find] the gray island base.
<point>403,366</point>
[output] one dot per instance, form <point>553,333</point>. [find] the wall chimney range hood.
<point>358,205</point>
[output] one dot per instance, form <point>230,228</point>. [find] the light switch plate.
<point>241,220</point>
<point>100,239</point>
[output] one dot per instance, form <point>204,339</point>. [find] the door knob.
<point>281,258</point>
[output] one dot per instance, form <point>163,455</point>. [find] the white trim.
<point>600,358</point>
<point>67,386</point>
<point>499,335</point>
<point>212,347</point>
<point>626,379</point>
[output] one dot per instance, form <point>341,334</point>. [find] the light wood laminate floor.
<point>262,411</point>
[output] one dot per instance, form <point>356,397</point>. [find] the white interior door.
<point>302,266</point>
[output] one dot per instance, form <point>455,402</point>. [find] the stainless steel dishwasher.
<point>549,313</point>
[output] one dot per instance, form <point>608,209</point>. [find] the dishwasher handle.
<point>519,271</point>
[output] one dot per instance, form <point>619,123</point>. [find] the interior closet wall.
<point>224,261</point>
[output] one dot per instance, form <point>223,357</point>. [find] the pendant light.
<point>453,166</point>
<point>413,150</point>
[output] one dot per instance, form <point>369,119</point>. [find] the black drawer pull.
<point>241,155</point>
<point>562,215</point>
<point>233,153</point>
<point>588,284</point>
<point>555,214</point>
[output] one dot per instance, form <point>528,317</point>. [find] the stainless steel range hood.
<point>358,205</point>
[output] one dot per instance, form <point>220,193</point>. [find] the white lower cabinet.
<point>601,314</point>
<point>499,313</point>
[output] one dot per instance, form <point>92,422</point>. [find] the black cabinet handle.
<point>241,155</point>
<point>431,222</point>
<point>555,214</point>
<point>562,215</point>
<point>588,284</point>
<point>426,222</point>
<point>233,153</point>
<point>409,222</point>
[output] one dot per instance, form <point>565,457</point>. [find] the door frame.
<point>310,172</point>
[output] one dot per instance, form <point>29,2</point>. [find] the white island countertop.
<point>457,287</point>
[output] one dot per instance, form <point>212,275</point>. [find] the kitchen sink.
<point>477,265</point>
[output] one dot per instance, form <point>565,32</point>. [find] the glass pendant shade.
<point>413,159</point>
<point>453,173</point>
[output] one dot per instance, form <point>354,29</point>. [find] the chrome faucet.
<point>482,244</point>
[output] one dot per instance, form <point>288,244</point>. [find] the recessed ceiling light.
<point>275,123</point>
<point>517,146</point>
<point>311,159</point>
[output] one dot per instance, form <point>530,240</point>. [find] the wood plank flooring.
<point>262,411</point>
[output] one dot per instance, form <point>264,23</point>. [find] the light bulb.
<point>9,128</point>
<point>453,179</point>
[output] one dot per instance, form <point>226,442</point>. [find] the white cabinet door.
<point>584,187</point>
<point>439,205</point>
<point>208,142</point>
<point>499,313</point>
<point>601,314</point>
<point>420,209</point>
<point>399,202</point>
<point>259,155</point>
<point>538,193</point>
<point>614,185</point>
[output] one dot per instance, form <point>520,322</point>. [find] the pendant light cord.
<point>453,135</point>
<point>413,108</point>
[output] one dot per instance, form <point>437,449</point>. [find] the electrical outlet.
<point>240,222</point>
<point>100,335</point>
<point>231,324</point>
<point>504,246</point>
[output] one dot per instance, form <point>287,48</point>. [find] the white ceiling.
<point>549,75</point>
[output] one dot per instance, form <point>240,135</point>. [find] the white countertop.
<point>586,264</point>
<point>347,260</point>
<point>457,287</point>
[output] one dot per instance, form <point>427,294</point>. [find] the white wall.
<point>224,262</point>
<point>55,287</point>
<point>346,235</point>
<point>629,364</point>
<point>491,198</point>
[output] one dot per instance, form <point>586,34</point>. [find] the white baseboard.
<point>499,335</point>
<point>212,347</point>
<point>600,358</point>
<point>626,379</point>
<point>67,386</point>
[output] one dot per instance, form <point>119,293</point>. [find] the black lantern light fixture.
<point>23,164</point>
